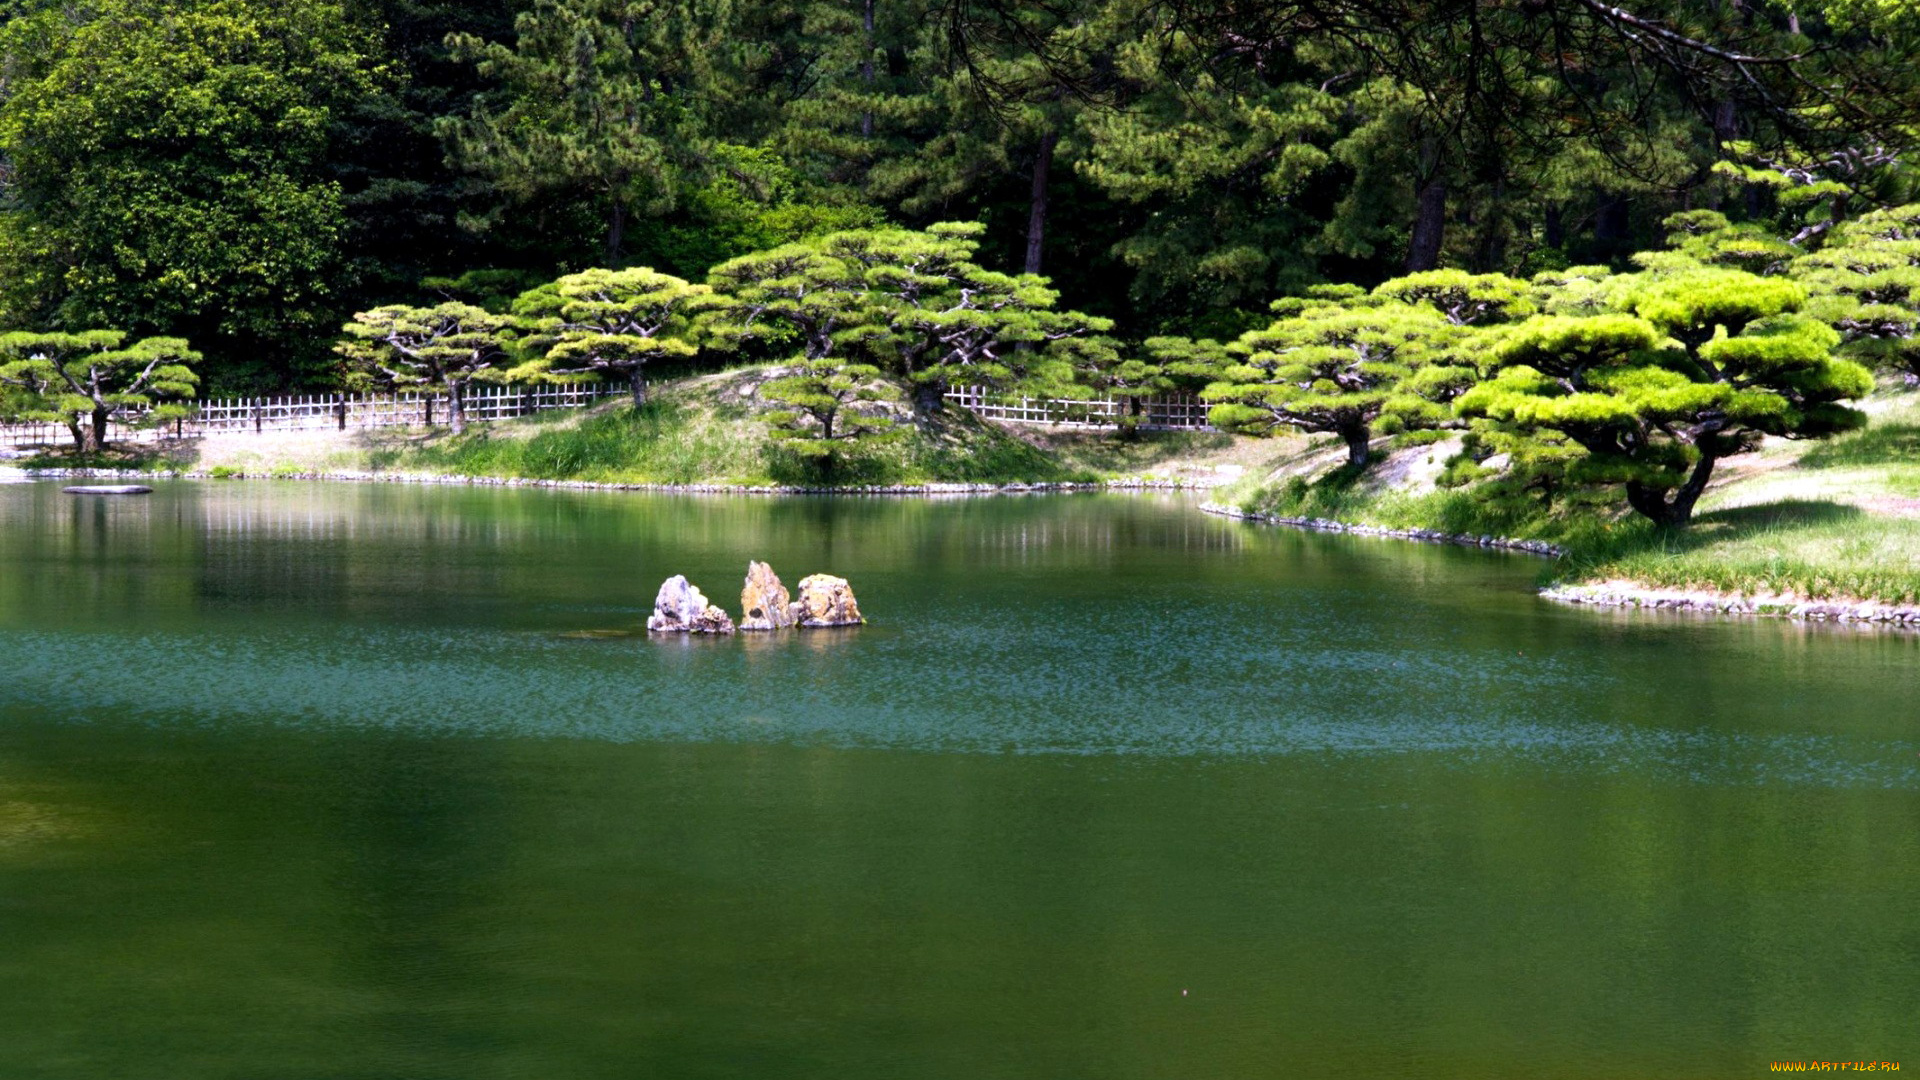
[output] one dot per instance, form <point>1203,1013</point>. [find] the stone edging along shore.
<point>1628,595</point>
<point>1623,594</point>
<point>357,476</point>
<point>1431,536</point>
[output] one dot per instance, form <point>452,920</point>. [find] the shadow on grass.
<point>1637,538</point>
<point>1888,444</point>
<point>168,455</point>
<point>1130,452</point>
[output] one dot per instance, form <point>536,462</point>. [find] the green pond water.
<point>358,781</point>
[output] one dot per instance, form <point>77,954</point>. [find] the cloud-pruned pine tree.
<point>84,380</point>
<point>609,323</point>
<point>1698,367</point>
<point>446,347</point>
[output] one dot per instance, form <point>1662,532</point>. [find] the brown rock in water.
<point>764,604</point>
<point>826,600</point>
<point>682,609</point>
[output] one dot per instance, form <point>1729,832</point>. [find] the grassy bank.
<point>1830,520</point>
<point>708,430</point>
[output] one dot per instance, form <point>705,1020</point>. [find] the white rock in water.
<point>109,489</point>
<point>679,608</point>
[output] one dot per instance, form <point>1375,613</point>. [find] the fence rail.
<point>310,412</point>
<point>1171,413</point>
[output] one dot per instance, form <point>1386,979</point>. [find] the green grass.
<point>683,438</point>
<point>1826,521</point>
<point>662,442</point>
<point>1814,549</point>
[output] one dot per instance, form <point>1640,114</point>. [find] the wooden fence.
<point>1171,413</point>
<point>300,412</point>
<point>499,402</point>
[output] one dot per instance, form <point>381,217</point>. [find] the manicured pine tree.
<point>914,303</point>
<point>1865,283</point>
<point>84,380</point>
<point>609,323</point>
<point>796,296</point>
<point>1699,367</point>
<point>1463,299</point>
<point>1331,368</point>
<point>447,346</point>
<point>939,319</point>
<point>821,415</point>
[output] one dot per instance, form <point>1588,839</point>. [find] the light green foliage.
<point>444,347</point>
<point>169,172</point>
<point>1329,368</point>
<point>912,302</point>
<point>795,294</point>
<point>609,323</point>
<point>1463,299</point>
<point>1698,367</point>
<point>1707,238</point>
<point>1865,283</point>
<point>822,416</point>
<point>84,380</point>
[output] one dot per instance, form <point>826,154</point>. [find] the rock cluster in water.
<point>682,609</point>
<point>824,600</point>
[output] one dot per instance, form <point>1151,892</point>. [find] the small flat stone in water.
<point>109,489</point>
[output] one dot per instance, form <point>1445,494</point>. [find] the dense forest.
<point>247,174</point>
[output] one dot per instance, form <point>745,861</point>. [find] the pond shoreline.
<point>1627,594</point>
<point>1425,536</point>
<point>1615,594</point>
<point>1620,594</point>
<point>451,480</point>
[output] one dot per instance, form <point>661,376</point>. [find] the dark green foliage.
<point>169,172</point>
<point>246,173</point>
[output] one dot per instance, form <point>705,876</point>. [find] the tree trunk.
<point>1429,226</point>
<point>1677,511</point>
<point>1492,248</point>
<point>99,431</point>
<point>1037,212</point>
<point>82,436</point>
<point>457,406</point>
<point>1610,221</point>
<point>1554,227</point>
<point>1357,439</point>
<point>866,68</point>
<point>929,397</point>
<point>637,382</point>
<point>616,232</point>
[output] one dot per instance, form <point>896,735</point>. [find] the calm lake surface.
<point>359,781</point>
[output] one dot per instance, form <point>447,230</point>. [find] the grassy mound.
<point>685,438</point>
<point>1829,520</point>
